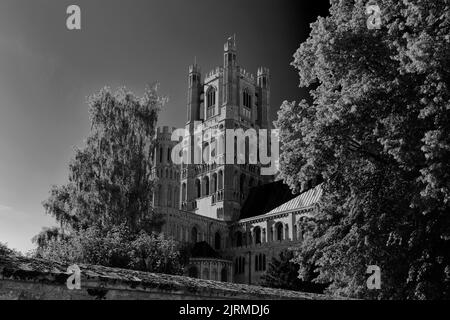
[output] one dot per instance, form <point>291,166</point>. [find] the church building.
<point>235,218</point>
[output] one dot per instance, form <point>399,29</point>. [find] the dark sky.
<point>46,73</point>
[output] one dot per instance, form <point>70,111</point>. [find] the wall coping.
<point>42,272</point>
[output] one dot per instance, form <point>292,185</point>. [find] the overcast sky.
<point>46,73</point>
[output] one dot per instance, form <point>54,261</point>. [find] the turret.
<point>263,82</point>
<point>194,94</point>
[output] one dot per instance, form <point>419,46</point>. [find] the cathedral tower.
<point>229,97</point>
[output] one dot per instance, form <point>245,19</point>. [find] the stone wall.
<point>30,279</point>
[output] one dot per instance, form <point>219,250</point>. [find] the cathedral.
<point>235,218</point>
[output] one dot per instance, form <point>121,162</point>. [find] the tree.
<point>377,132</point>
<point>283,273</point>
<point>115,247</point>
<point>5,251</point>
<point>110,180</point>
<point>105,210</point>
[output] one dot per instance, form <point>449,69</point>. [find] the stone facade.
<point>212,194</point>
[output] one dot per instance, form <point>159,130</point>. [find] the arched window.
<point>210,102</point>
<point>198,188</point>
<point>217,241</point>
<point>279,231</point>
<point>214,183</point>
<point>247,102</point>
<point>220,184</point>
<point>160,155</point>
<point>247,98</point>
<point>183,190</point>
<point>257,235</point>
<point>264,262</point>
<point>206,186</point>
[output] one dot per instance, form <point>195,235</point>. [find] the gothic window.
<point>257,235</point>
<point>183,190</point>
<point>198,188</point>
<point>160,155</point>
<point>214,183</point>
<point>247,99</point>
<point>240,265</point>
<point>169,152</point>
<point>279,231</point>
<point>206,186</point>
<point>247,103</point>
<point>220,184</point>
<point>210,102</point>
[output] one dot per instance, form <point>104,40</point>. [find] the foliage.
<point>5,251</point>
<point>378,133</point>
<point>116,247</point>
<point>110,179</point>
<point>283,273</point>
<point>105,210</point>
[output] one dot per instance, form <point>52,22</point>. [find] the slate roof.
<point>304,200</point>
<point>265,198</point>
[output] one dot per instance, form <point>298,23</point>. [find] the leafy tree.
<point>377,131</point>
<point>5,251</point>
<point>110,179</point>
<point>105,210</point>
<point>46,235</point>
<point>115,247</point>
<point>283,273</point>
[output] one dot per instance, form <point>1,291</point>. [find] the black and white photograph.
<point>262,154</point>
